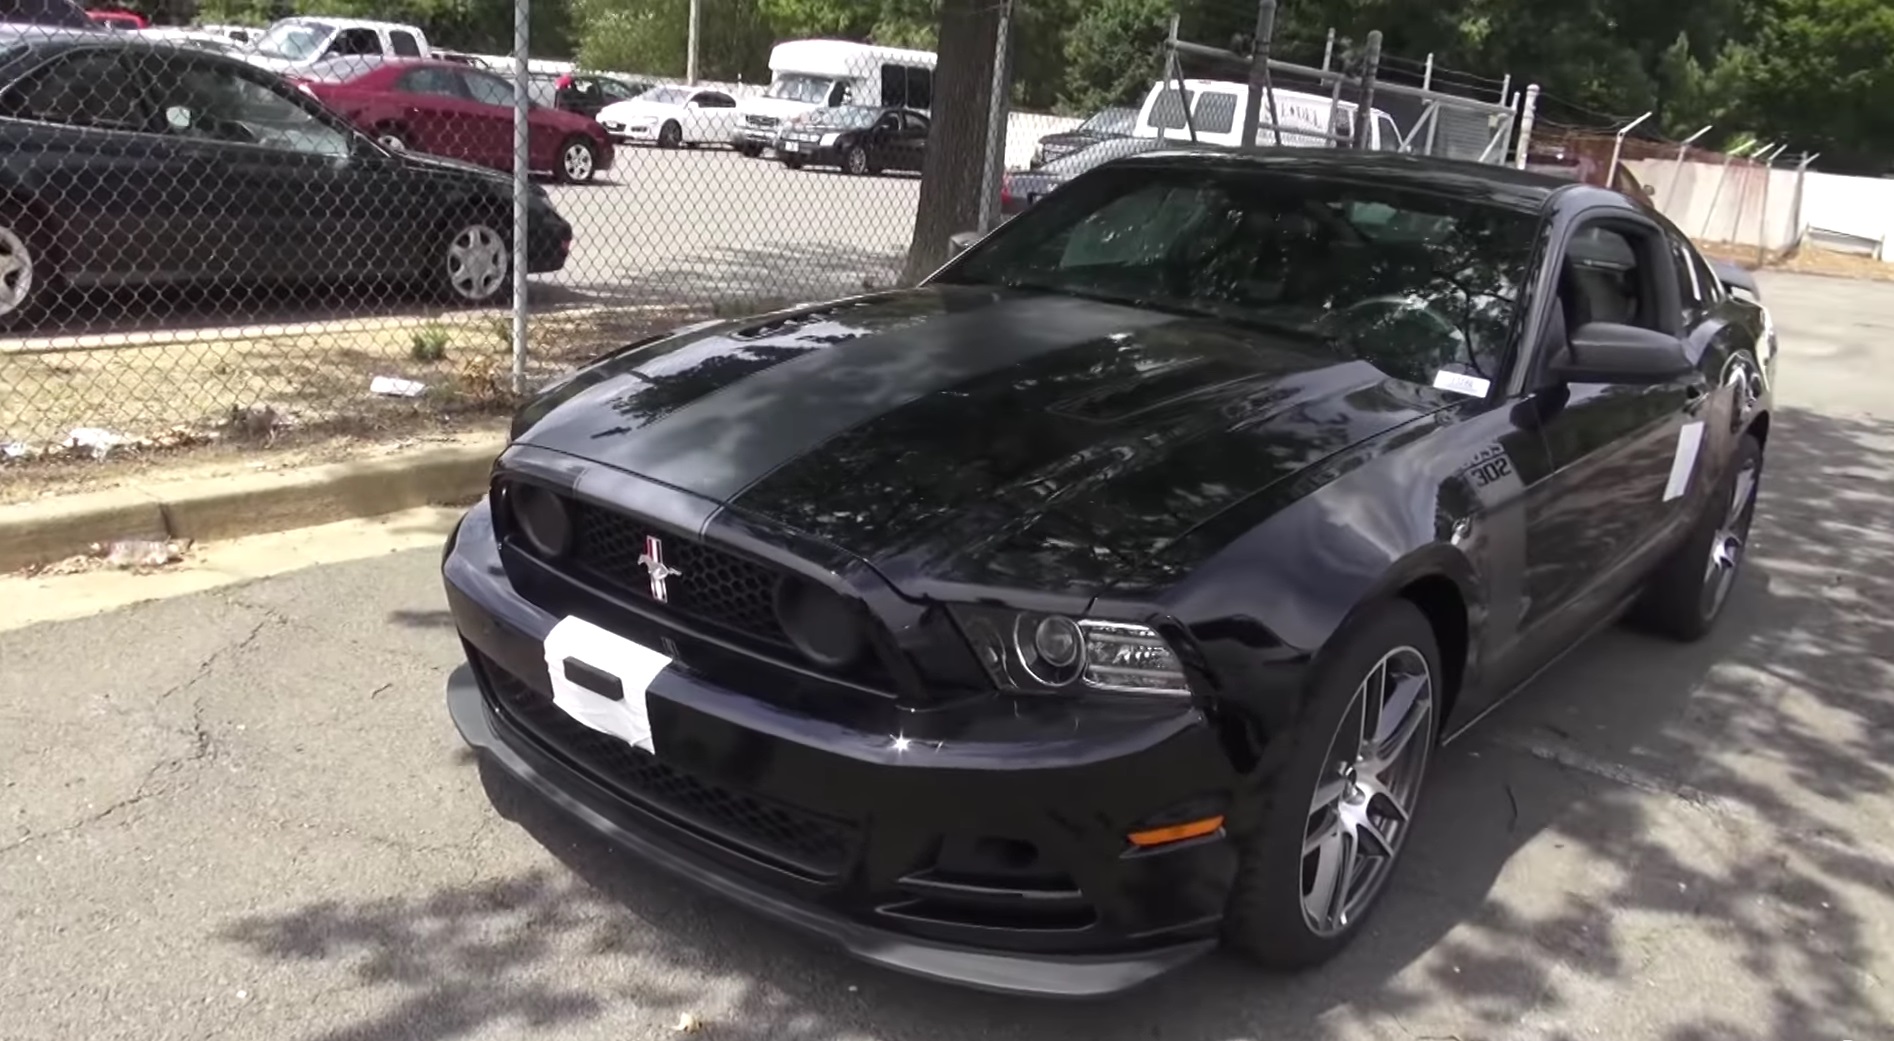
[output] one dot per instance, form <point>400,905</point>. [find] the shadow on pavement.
<point>790,272</point>
<point>1769,741</point>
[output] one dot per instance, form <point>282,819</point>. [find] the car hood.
<point>1073,140</point>
<point>963,439</point>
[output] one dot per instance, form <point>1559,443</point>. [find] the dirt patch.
<point>1806,260</point>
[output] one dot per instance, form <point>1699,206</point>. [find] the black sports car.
<point>859,140</point>
<point>1104,596</point>
<point>1104,125</point>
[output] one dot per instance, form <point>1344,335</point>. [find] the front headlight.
<point>1030,652</point>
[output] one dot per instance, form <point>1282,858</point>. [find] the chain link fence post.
<point>522,181</point>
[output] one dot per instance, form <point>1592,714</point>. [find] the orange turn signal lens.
<point>1176,832</point>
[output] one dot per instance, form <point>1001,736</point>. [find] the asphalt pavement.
<point>244,814</point>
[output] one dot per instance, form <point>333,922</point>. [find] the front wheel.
<point>1319,856</point>
<point>23,269</point>
<point>392,138</point>
<point>670,135</point>
<point>855,160</point>
<point>792,162</point>
<point>578,163</point>
<point>474,266</point>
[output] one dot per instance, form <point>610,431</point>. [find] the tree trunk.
<point>952,171</point>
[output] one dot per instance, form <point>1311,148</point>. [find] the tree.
<point>954,169</point>
<point>1114,52</point>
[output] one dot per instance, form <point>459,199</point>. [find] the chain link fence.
<point>315,227</point>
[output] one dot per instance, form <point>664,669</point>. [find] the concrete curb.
<point>246,504</point>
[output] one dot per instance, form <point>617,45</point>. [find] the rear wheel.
<point>474,265</point>
<point>1688,590</point>
<point>1319,856</point>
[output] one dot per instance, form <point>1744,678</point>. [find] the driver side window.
<point>212,102</point>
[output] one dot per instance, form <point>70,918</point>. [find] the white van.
<point>1216,115</point>
<point>809,74</point>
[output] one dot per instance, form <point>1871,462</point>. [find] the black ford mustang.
<point>1103,597</point>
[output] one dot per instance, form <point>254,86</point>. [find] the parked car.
<point>114,18</point>
<point>587,93</point>
<point>62,13</point>
<point>124,162</point>
<point>1104,125</point>
<point>672,116</point>
<point>292,45</point>
<point>198,38</point>
<point>445,108</point>
<point>1022,188</point>
<point>858,140</point>
<point>1105,596</point>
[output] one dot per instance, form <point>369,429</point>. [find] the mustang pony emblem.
<point>652,560</point>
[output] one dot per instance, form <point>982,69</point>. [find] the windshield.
<point>1112,121</point>
<point>844,117</point>
<point>796,86</point>
<point>293,40</point>
<point>666,96</point>
<point>1411,281</point>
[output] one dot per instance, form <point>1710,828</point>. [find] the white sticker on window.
<point>600,679</point>
<point>178,116</point>
<point>1461,383</point>
<point>1689,439</point>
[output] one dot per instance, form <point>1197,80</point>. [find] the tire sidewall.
<point>1265,917</point>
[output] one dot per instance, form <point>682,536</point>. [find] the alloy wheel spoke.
<point>1327,794</point>
<point>1397,732</point>
<point>1383,801</point>
<point>1328,833</point>
<point>1334,870</point>
<point>1372,842</point>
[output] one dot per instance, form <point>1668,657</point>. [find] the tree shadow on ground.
<point>1726,790</point>
<point>727,276</point>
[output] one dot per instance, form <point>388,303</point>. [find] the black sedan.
<point>1104,597</point>
<point>1104,125</point>
<point>126,162</point>
<point>1021,189</point>
<point>857,139</point>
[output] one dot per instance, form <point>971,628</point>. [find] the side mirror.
<point>1738,279</point>
<point>961,242</point>
<point>1605,352</point>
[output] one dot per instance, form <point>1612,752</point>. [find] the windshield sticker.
<point>1461,383</point>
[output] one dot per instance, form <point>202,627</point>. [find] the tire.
<point>749,151</point>
<point>25,268</point>
<point>1328,787</point>
<point>1687,592</point>
<point>855,161</point>
<point>391,137</point>
<point>670,135</point>
<point>578,161</point>
<point>793,162</point>
<point>467,270</point>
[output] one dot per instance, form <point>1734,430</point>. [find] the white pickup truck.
<point>292,44</point>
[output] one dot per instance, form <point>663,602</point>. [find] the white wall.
<point>1747,206</point>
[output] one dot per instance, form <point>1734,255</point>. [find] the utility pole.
<point>690,52</point>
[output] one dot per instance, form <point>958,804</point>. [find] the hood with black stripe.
<point>953,434</point>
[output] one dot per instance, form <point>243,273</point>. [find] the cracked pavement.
<point>243,814</point>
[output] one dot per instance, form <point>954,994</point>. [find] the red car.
<point>448,109</point>
<point>112,18</point>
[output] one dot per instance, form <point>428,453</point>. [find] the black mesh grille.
<point>710,584</point>
<point>810,844</point>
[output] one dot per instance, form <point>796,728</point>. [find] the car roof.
<point>1500,184</point>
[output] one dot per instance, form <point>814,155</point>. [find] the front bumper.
<point>837,831</point>
<point>548,242</point>
<point>812,152</point>
<point>753,137</point>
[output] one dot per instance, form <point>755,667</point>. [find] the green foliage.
<point>1113,52</point>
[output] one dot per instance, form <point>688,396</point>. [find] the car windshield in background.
<point>1112,121</point>
<point>1411,281</point>
<point>293,40</point>
<point>666,96</point>
<point>845,118</point>
<point>1104,152</point>
<point>793,86</point>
